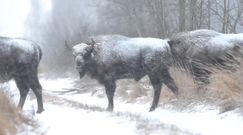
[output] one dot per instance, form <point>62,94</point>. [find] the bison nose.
<point>78,67</point>
<point>79,60</point>
<point>78,63</point>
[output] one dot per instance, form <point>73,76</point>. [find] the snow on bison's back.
<point>19,59</point>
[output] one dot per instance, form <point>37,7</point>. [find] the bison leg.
<point>23,90</point>
<point>110,88</point>
<point>157,84</point>
<point>37,89</point>
<point>170,83</point>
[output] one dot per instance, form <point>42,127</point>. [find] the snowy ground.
<point>69,111</point>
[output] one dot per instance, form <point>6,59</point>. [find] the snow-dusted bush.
<point>202,51</point>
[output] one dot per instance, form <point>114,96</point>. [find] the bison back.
<point>18,56</point>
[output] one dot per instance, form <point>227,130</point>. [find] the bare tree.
<point>209,14</point>
<point>66,23</point>
<point>192,14</point>
<point>225,16</point>
<point>72,22</point>
<point>182,15</point>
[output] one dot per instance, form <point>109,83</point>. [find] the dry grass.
<point>224,91</point>
<point>10,116</point>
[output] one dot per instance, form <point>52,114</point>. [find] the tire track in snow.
<point>144,125</point>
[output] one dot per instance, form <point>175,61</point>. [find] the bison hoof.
<point>109,109</point>
<point>40,110</point>
<point>152,109</point>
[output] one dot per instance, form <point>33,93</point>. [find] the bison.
<point>119,57</point>
<point>19,59</point>
<point>201,50</point>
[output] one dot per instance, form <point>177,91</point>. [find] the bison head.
<point>178,48</point>
<point>81,53</point>
<point>181,52</point>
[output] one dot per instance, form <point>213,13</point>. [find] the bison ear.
<point>92,42</point>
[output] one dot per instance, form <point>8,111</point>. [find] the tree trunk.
<point>209,14</point>
<point>225,17</point>
<point>192,14</point>
<point>182,15</point>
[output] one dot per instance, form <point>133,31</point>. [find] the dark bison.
<point>19,59</point>
<point>200,51</point>
<point>118,57</point>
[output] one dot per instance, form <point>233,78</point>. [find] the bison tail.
<point>40,52</point>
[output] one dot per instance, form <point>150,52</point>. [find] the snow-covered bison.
<point>200,50</point>
<point>19,59</point>
<point>119,57</point>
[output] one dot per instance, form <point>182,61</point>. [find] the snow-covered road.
<point>70,112</point>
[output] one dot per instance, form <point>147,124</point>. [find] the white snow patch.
<point>24,45</point>
<point>151,42</point>
<point>135,44</point>
<point>60,84</point>
<point>226,40</point>
<point>57,120</point>
<point>208,122</point>
<point>79,48</point>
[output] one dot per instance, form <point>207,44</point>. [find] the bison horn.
<point>92,42</point>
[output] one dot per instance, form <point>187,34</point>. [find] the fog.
<point>13,14</point>
<point>57,25</point>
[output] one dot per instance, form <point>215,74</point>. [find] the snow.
<point>207,123</point>
<point>56,85</point>
<point>13,15</point>
<point>24,45</point>
<point>126,49</point>
<point>226,40</point>
<point>63,121</point>
<point>213,39</point>
<point>154,43</point>
<point>131,48</point>
<point>88,116</point>
<point>201,121</point>
<point>79,48</point>
<point>17,43</point>
<point>203,32</point>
